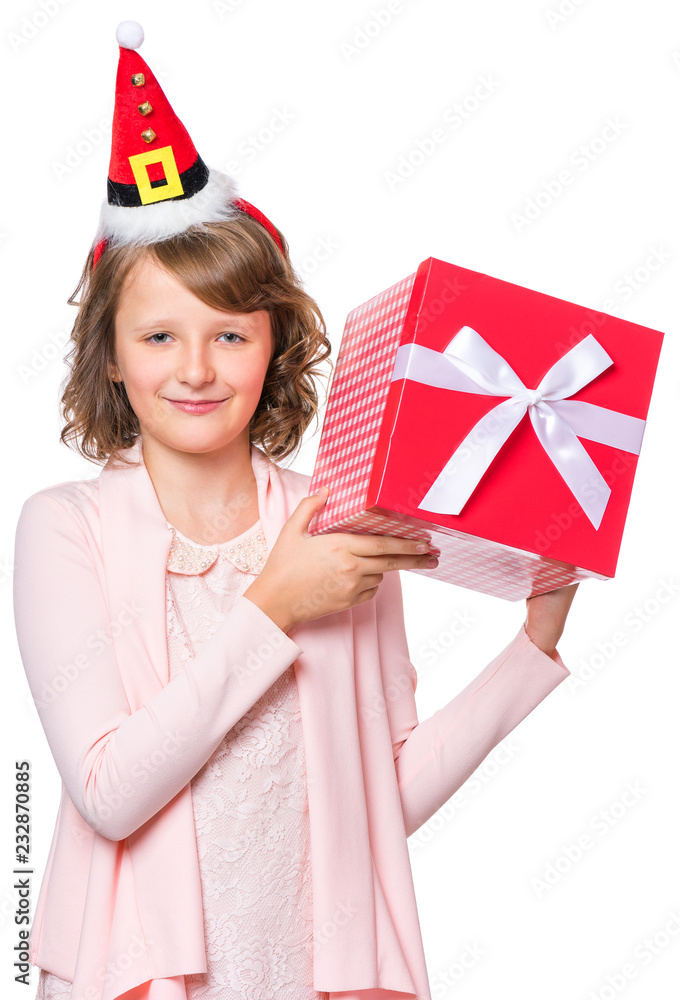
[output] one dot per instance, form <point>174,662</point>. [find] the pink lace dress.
<point>249,801</point>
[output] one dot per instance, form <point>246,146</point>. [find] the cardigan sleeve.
<point>434,757</point>
<point>120,767</point>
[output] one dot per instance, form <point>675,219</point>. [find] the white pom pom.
<point>129,34</point>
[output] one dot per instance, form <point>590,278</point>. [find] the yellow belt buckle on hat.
<point>166,158</point>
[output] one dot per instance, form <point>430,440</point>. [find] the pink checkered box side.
<point>360,384</point>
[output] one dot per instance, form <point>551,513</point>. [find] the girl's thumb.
<point>311,504</point>
<point>322,491</point>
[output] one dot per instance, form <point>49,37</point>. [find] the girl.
<point>229,700</point>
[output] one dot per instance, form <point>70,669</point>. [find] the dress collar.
<point>184,555</point>
<point>247,552</point>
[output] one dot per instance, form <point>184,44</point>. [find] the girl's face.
<point>169,345</point>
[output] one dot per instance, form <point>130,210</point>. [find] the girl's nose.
<point>195,367</point>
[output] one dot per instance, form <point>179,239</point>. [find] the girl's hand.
<point>309,576</point>
<point>546,615</point>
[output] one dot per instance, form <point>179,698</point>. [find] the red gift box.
<point>500,424</point>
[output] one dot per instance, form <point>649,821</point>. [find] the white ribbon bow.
<point>469,364</point>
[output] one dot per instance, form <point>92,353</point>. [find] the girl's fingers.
<point>385,545</point>
<point>397,560</point>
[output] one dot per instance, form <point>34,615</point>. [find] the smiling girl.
<point>194,385</point>
<point>229,700</point>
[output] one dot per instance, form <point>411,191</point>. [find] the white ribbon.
<point>469,364</point>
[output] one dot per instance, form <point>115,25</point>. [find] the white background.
<point>360,95</point>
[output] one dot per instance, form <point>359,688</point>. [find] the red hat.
<point>158,184</point>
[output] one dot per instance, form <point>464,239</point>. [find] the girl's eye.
<point>152,338</point>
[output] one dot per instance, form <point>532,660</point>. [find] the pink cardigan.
<point>120,902</point>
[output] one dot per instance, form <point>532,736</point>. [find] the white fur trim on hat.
<point>120,224</point>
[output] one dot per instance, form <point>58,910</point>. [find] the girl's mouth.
<point>196,407</point>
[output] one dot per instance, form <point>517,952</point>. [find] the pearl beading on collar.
<point>248,555</point>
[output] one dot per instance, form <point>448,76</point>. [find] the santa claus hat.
<point>158,184</point>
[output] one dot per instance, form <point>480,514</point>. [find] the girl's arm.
<point>120,767</point>
<point>433,758</point>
